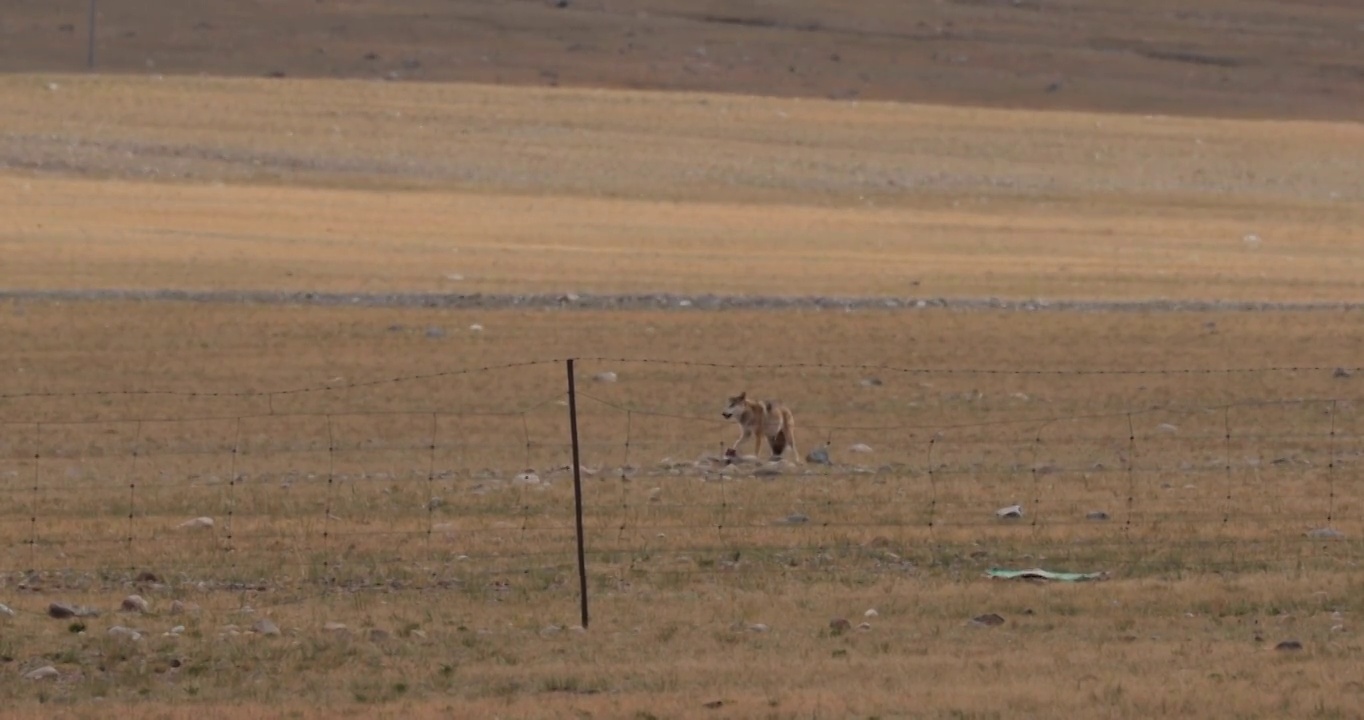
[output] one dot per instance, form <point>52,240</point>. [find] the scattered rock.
<point>434,503</point>
<point>1167,428</point>
<point>1289,646</point>
<point>178,607</point>
<point>198,523</point>
<point>62,611</point>
<point>864,627</point>
<point>578,630</point>
<point>713,704</point>
<point>435,332</point>
<point>1096,515</point>
<point>871,613</point>
<point>475,328</point>
<point>656,494</point>
<point>125,632</point>
<point>605,377</point>
<point>45,672</point>
<point>334,627</point>
<point>840,625</point>
<point>265,626</point>
<point>768,471</point>
<point>987,620</point>
<point>871,382</point>
<point>6,611</point>
<point>377,636</point>
<point>1251,240</point>
<point>147,577</point>
<point>819,455</point>
<point>1325,533</point>
<point>758,628</point>
<point>732,457</point>
<point>860,448</point>
<point>135,604</point>
<point>1011,512</point>
<point>796,519</point>
<point>550,630</point>
<point>454,277</point>
<point>177,630</point>
<point>526,478</point>
<point>1340,372</point>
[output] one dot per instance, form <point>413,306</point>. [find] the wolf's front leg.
<point>746,434</point>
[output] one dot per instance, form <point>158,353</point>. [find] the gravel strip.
<point>659,301</point>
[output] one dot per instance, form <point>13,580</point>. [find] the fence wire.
<point>449,492</point>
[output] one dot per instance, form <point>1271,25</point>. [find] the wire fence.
<point>464,480</point>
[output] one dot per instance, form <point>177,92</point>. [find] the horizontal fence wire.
<point>443,493</point>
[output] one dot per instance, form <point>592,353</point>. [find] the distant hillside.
<point>1256,58</point>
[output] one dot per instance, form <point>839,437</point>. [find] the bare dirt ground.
<point>1245,58</point>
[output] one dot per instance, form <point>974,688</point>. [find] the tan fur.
<point>759,419</point>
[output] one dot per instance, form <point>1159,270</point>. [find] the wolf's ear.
<point>743,395</point>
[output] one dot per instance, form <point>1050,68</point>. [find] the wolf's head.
<point>735,406</point>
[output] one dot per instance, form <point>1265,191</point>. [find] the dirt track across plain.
<point>576,301</point>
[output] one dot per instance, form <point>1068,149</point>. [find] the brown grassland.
<point>361,463</point>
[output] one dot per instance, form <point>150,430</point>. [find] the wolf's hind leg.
<point>778,443</point>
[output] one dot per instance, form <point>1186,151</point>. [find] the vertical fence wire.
<point>431,482</point>
<point>331,493</point>
<point>132,495</point>
<point>232,480</point>
<point>1331,469</point>
<point>1131,462</point>
<point>1036,509</point>
<point>37,482</point>
<point>1226,430</point>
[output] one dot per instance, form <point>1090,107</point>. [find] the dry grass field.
<point>365,466</point>
<point>122,182</point>
<point>471,601</point>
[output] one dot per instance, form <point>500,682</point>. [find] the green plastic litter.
<point>1039,574</point>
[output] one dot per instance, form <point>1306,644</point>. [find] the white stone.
<point>125,632</point>
<point>43,673</point>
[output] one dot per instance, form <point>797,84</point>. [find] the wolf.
<point>760,419</point>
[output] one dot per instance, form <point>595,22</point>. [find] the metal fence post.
<point>577,488</point>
